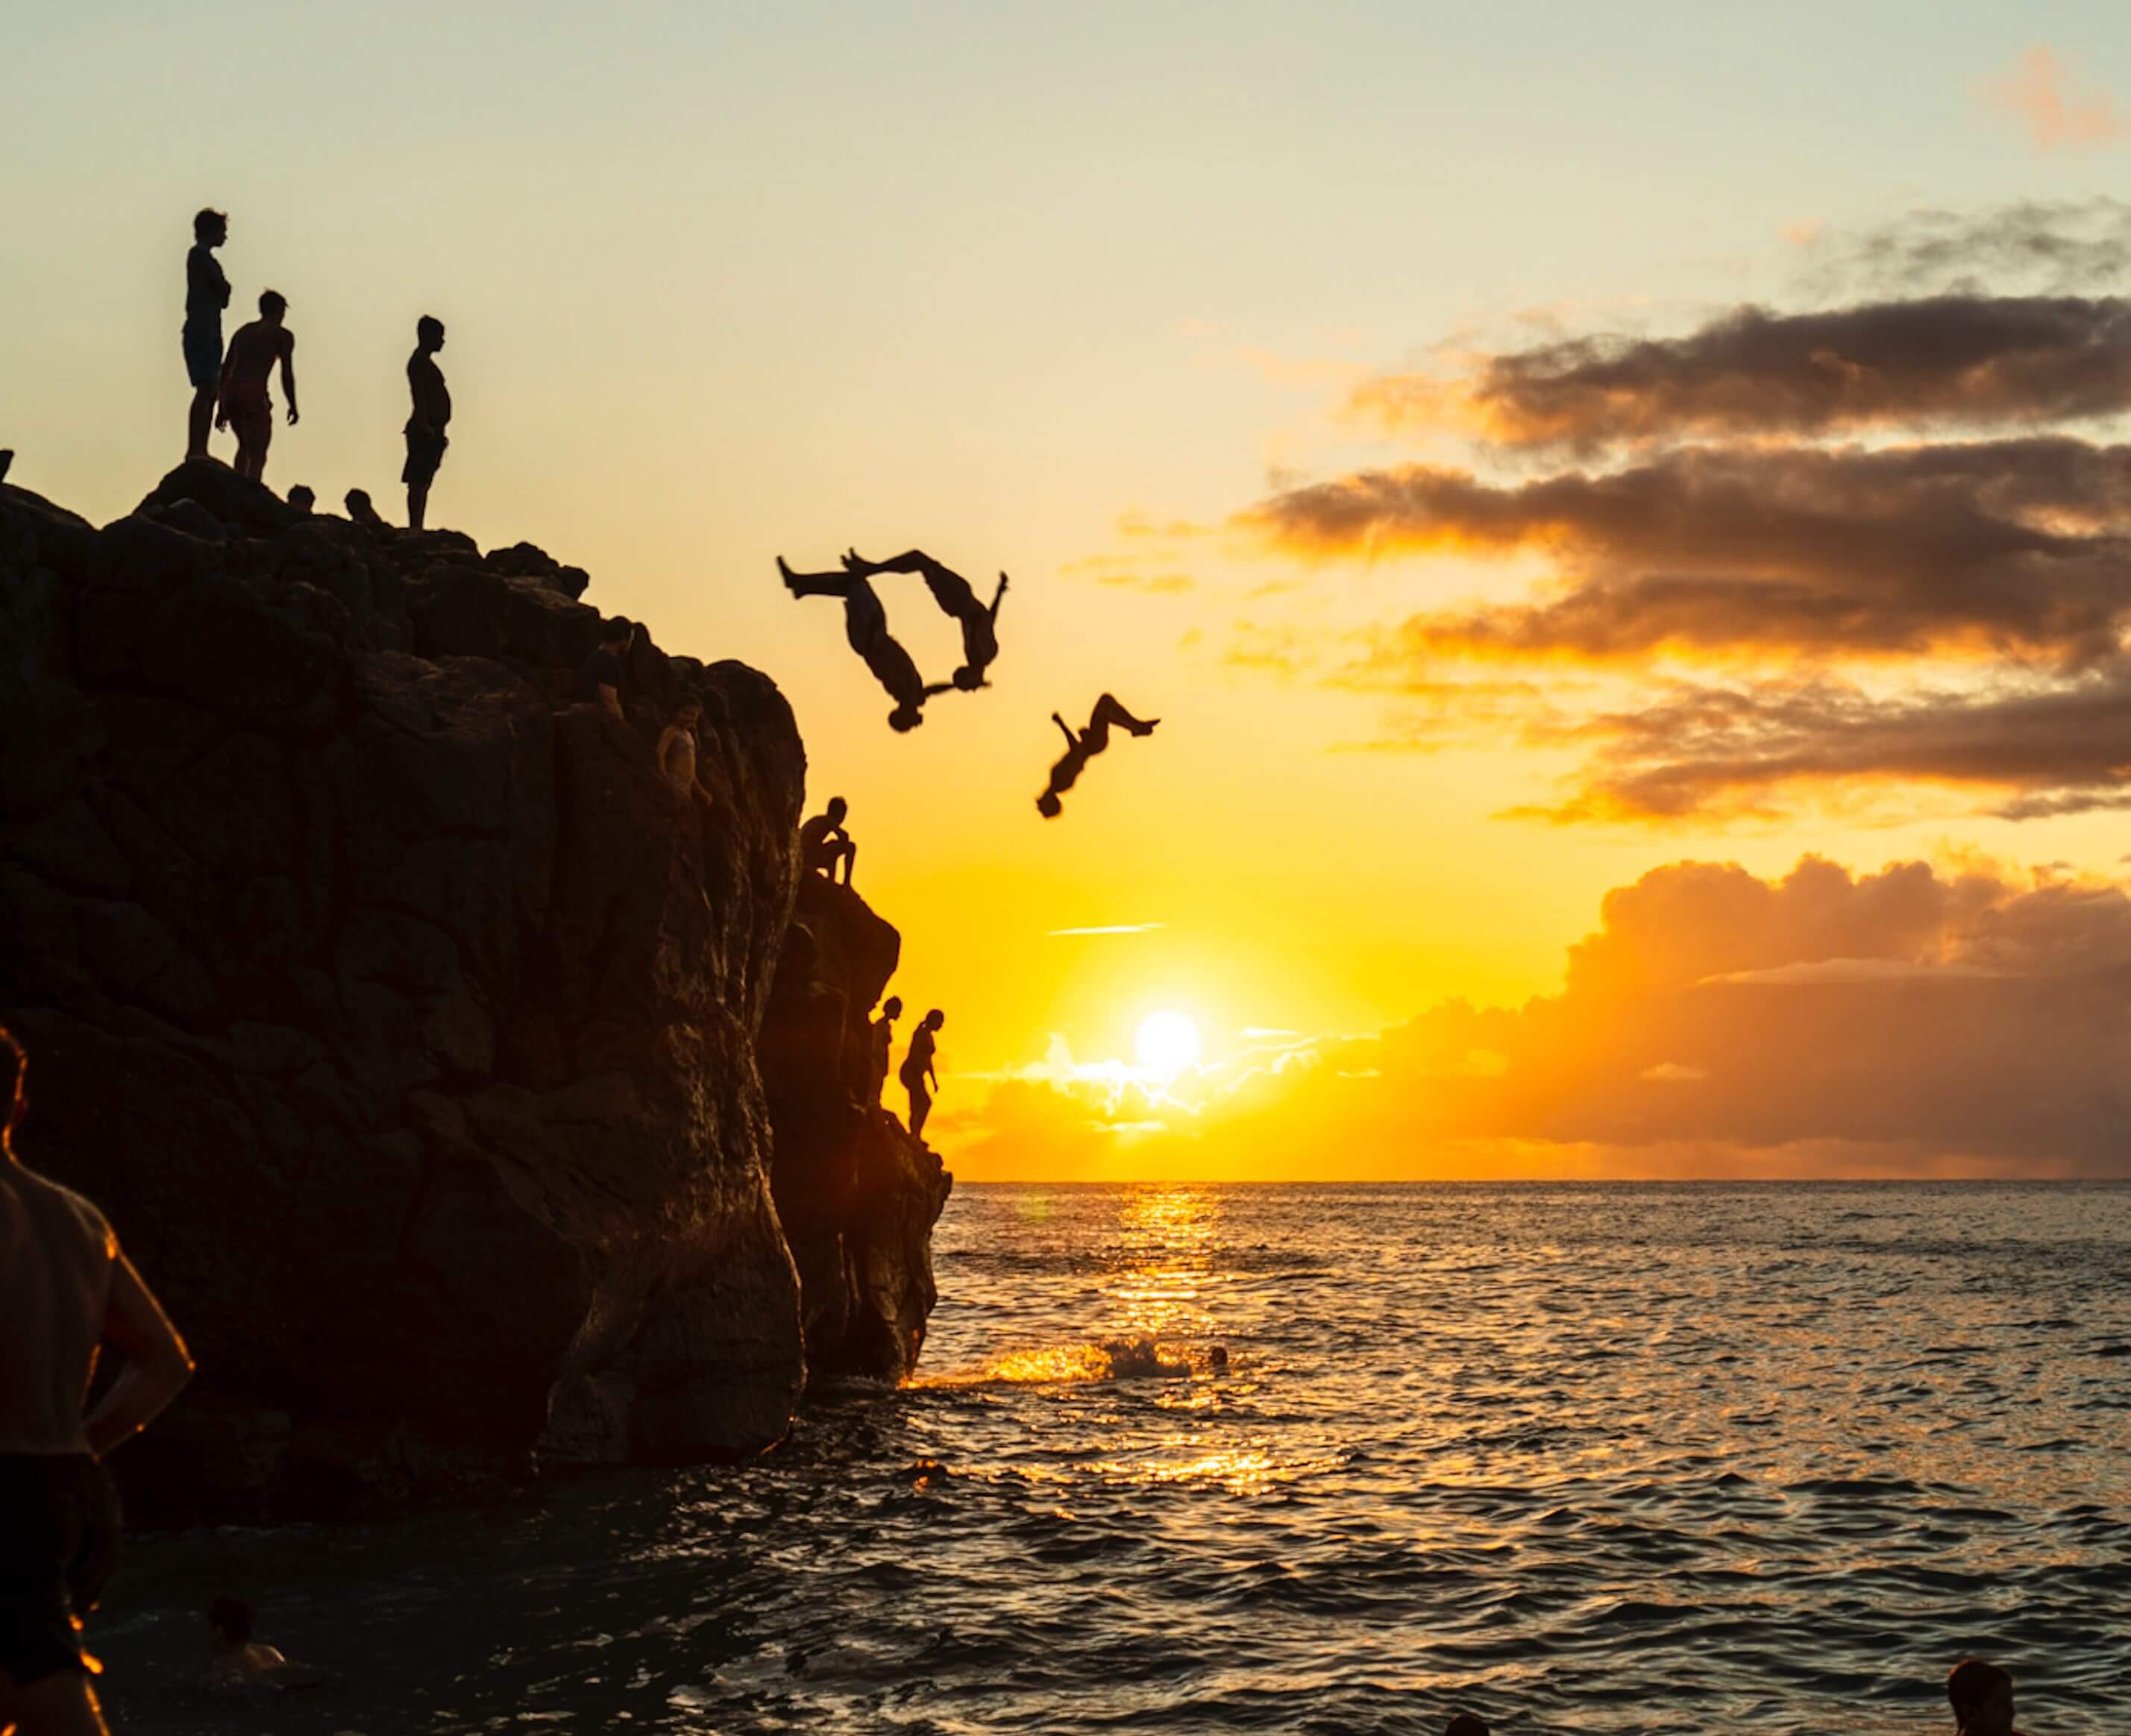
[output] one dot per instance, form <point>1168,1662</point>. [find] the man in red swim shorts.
<point>244,406</point>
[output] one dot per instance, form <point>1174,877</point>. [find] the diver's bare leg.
<point>1108,712</point>
<point>816,583</point>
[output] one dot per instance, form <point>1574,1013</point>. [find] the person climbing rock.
<point>957,602</point>
<point>604,668</point>
<point>244,405</point>
<point>676,753</point>
<point>882,1034</point>
<point>918,1072</point>
<point>865,625</point>
<point>432,414</point>
<point>1081,748</point>
<point>66,1289</point>
<point>206,293</point>
<point>823,843</point>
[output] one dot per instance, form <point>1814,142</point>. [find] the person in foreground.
<point>1982,1697</point>
<point>823,843</point>
<point>917,1071</point>
<point>235,1658</point>
<point>1081,748</point>
<point>432,414</point>
<point>206,293</point>
<point>66,1287</point>
<point>245,405</point>
<point>865,627</point>
<point>957,602</point>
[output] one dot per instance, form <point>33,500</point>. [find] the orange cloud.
<point>2034,90</point>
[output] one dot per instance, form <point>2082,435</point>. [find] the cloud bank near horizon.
<point>1920,1021</point>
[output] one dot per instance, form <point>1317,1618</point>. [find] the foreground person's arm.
<point>156,1363</point>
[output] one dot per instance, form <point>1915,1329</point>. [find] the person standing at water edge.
<point>65,1288</point>
<point>426,438</point>
<point>918,1072</point>
<point>206,293</point>
<point>245,370</point>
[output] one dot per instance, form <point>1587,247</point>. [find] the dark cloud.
<point>1945,362</point>
<point>2050,247</point>
<point>2036,751</point>
<point>2012,545</point>
<point>1914,1020</point>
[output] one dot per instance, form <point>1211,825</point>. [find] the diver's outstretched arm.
<point>816,583</point>
<point>1066,730</point>
<point>998,596</point>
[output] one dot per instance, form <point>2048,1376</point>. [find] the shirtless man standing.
<point>245,406</point>
<point>65,1288</point>
<point>431,416</point>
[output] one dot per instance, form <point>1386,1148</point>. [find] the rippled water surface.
<point>1579,1459</point>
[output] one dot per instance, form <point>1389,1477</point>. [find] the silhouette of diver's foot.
<point>791,579</point>
<point>1145,729</point>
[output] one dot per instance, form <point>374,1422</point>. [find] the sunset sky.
<point>1555,472</point>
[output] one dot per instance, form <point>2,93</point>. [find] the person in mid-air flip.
<point>865,625</point>
<point>1081,748</point>
<point>244,403</point>
<point>957,602</point>
<point>432,414</point>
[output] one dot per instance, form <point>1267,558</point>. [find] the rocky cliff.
<point>464,1091</point>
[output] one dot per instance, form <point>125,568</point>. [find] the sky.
<point>1632,484</point>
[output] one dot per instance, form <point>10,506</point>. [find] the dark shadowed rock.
<point>427,1054</point>
<point>524,561</point>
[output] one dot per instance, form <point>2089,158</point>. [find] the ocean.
<point>1342,1459</point>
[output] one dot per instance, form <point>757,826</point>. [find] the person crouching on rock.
<point>432,414</point>
<point>65,1288</point>
<point>244,405</point>
<point>823,843</point>
<point>917,1071</point>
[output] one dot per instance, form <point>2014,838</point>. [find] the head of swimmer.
<point>1982,1698</point>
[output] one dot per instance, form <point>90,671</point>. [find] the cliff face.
<point>406,1022</point>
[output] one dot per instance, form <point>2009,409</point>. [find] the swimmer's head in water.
<point>1465,1724</point>
<point>1981,1694</point>
<point>231,1620</point>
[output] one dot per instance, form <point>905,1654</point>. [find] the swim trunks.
<point>250,419</point>
<point>58,1542</point>
<point>201,341</point>
<point>425,452</point>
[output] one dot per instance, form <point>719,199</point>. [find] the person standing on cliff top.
<point>206,293</point>
<point>883,1034</point>
<point>426,438</point>
<point>823,843</point>
<point>917,1071</point>
<point>64,1289</point>
<point>245,405</point>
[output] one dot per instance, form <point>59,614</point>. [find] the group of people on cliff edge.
<point>230,387</point>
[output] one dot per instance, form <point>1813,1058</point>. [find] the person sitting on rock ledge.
<point>823,843</point>
<point>432,414</point>
<point>676,753</point>
<point>66,1289</point>
<point>604,668</point>
<point>244,405</point>
<point>918,1071</point>
<point>360,509</point>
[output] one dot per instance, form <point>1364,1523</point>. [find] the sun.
<point>1166,1044</point>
